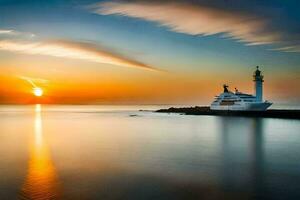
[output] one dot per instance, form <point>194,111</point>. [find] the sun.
<point>38,92</point>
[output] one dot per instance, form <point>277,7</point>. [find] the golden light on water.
<point>41,180</point>
<point>38,92</point>
<point>38,135</point>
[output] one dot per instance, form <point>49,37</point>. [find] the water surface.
<point>117,152</point>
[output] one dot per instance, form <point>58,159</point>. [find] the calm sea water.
<point>117,152</point>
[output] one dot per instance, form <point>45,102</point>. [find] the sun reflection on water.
<point>41,180</point>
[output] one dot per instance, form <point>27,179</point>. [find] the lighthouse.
<point>258,78</point>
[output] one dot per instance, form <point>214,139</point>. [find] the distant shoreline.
<point>205,110</point>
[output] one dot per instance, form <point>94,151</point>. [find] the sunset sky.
<point>137,52</point>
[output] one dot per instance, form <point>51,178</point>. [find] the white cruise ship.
<point>239,101</point>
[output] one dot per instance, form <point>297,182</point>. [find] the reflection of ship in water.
<point>41,182</point>
<point>243,155</point>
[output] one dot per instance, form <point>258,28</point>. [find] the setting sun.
<point>37,92</point>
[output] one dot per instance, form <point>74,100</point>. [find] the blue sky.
<point>72,20</point>
<point>270,31</point>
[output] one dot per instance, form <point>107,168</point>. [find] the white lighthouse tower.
<point>258,78</point>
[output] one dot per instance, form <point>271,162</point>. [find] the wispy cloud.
<point>7,32</point>
<point>10,32</point>
<point>196,20</point>
<point>72,50</point>
<point>33,81</point>
<point>289,49</point>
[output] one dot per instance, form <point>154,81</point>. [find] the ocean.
<point>118,152</point>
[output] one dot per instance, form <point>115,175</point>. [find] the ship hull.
<point>243,107</point>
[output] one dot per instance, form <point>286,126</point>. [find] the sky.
<point>147,52</point>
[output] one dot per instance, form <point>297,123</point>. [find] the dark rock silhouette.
<point>205,110</point>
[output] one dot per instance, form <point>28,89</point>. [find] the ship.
<point>238,101</point>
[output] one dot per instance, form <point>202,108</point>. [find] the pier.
<point>205,110</point>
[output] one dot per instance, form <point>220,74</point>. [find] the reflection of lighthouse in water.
<point>41,182</point>
<point>242,152</point>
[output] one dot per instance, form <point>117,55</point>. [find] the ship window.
<point>226,103</point>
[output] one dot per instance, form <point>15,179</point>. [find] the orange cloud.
<point>195,20</point>
<point>72,50</point>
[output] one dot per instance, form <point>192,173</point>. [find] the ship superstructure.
<point>241,101</point>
